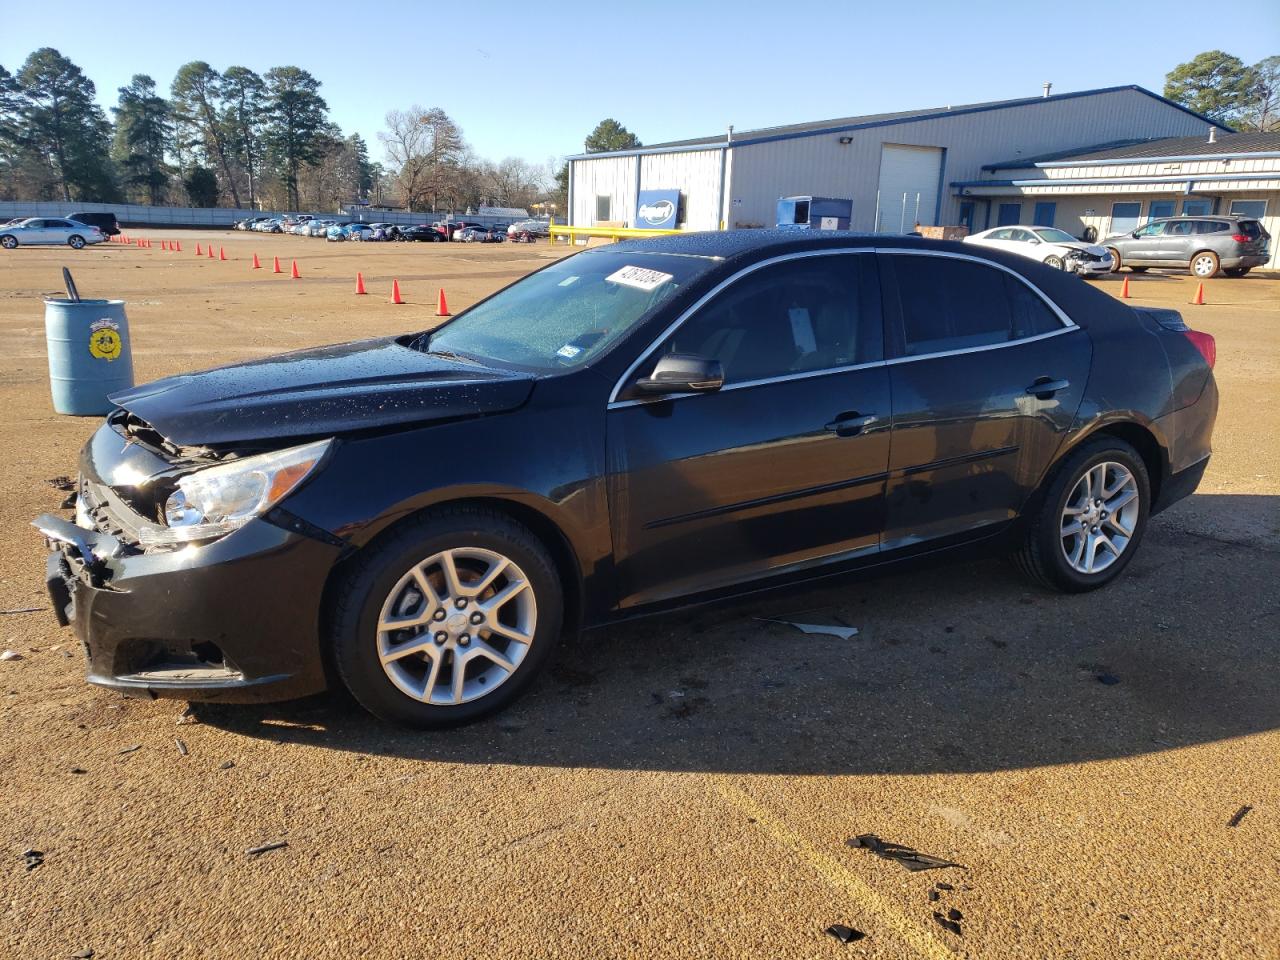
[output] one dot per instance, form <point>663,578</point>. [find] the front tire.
<point>1053,261</point>
<point>1115,259</point>
<point>1090,519</point>
<point>447,619</point>
<point>9,243</point>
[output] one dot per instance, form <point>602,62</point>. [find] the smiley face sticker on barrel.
<point>104,339</point>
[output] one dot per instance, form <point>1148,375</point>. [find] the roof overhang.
<point>1086,185</point>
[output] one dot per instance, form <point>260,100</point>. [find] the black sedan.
<point>422,233</point>
<point>638,427</point>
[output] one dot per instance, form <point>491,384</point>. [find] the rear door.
<point>986,376</point>
<point>784,466</point>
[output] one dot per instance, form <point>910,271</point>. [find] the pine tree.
<point>143,135</point>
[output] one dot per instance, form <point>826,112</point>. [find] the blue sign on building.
<point>657,209</point>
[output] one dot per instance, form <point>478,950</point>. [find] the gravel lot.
<point>680,787</point>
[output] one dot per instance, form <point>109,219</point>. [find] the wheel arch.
<point>550,534</point>
<point>1142,437</point>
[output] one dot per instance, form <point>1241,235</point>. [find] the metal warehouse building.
<point>1115,188</point>
<point>896,168</point>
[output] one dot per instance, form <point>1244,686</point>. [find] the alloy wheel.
<point>1205,265</point>
<point>456,626</point>
<point>1100,517</point>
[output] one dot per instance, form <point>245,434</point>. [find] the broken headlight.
<point>216,500</point>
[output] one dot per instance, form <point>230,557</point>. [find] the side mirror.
<point>683,373</point>
<point>1035,240</point>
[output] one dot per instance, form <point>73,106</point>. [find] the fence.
<point>142,215</point>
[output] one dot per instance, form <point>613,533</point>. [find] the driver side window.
<point>1151,230</point>
<point>809,314</point>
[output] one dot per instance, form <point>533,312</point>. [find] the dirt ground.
<point>680,787</point>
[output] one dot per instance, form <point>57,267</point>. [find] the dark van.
<point>106,222</point>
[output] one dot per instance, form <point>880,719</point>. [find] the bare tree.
<point>423,148</point>
<point>513,182</point>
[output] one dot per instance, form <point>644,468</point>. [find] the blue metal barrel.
<point>89,354</point>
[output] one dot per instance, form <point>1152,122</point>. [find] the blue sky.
<point>532,79</point>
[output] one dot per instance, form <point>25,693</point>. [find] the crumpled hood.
<point>322,392</point>
<point>1093,248</point>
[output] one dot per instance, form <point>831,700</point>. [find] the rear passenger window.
<point>1180,228</point>
<point>950,304</point>
<point>1210,226</point>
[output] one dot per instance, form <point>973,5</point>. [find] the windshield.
<point>1054,235</point>
<point>564,315</point>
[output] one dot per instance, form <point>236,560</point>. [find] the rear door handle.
<point>849,424</point>
<point>1044,388</point>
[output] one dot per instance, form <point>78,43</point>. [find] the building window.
<point>966,214</point>
<point>1044,214</point>
<point>1159,209</point>
<point>1009,213</point>
<point>1124,218</point>
<point>1197,208</point>
<point>1249,208</point>
<point>604,207</point>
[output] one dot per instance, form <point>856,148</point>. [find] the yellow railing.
<point>571,234</point>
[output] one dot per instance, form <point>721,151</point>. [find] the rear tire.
<point>389,582</point>
<point>1139,269</point>
<point>1073,543</point>
<point>1237,271</point>
<point>75,242</point>
<point>1204,265</point>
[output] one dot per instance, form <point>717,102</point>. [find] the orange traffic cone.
<point>256,264</point>
<point>442,305</point>
<point>1124,289</point>
<point>1199,297</point>
<point>209,251</point>
<point>294,272</point>
<point>360,283</point>
<point>277,266</point>
<point>222,254</point>
<point>395,292</point>
<point>164,244</point>
<point>199,252</point>
<point>179,245</point>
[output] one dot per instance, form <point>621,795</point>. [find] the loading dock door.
<point>908,187</point>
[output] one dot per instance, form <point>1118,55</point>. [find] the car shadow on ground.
<point>956,668</point>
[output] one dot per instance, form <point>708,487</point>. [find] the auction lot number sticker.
<point>639,277</point>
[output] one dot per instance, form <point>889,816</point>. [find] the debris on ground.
<point>134,749</point>
<point>954,914</point>
<point>943,886</point>
<point>21,610</point>
<point>79,770</point>
<point>1108,678</point>
<point>188,715</point>
<point>274,845</point>
<point>949,925</point>
<point>933,896</point>
<point>61,483</point>
<point>227,765</point>
<point>33,858</point>
<point>85,954</point>
<point>10,655</point>
<point>1239,815</point>
<point>910,858</point>
<point>844,934</point>
<point>182,747</point>
<point>822,629</point>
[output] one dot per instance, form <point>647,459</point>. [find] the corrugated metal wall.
<point>613,177</point>
<point>696,174</point>
<point>820,165</point>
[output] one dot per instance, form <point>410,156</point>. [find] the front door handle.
<point>849,424</point>
<point>1044,388</point>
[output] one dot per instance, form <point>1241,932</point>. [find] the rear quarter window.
<point>1210,226</point>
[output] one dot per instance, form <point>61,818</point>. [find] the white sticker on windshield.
<point>639,277</point>
<point>568,351</point>
<point>567,282</point>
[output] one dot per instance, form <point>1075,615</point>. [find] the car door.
<point>34,232</point>
<point>1025,243</point>
<point>1145,245</point>
<point>1177,242</point>
<point>59,231</point>
<point>986,376</point>
<point>784,466</point>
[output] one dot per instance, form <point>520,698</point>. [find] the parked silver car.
<point>36,231</point>
<point>1204,245</point>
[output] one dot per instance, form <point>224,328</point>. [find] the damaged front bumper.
<point>236,619</point>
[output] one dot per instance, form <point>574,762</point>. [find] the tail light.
<point>1239,238</point>
<point>1205,343</point>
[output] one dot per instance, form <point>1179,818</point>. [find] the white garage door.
<point>908,187</point>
